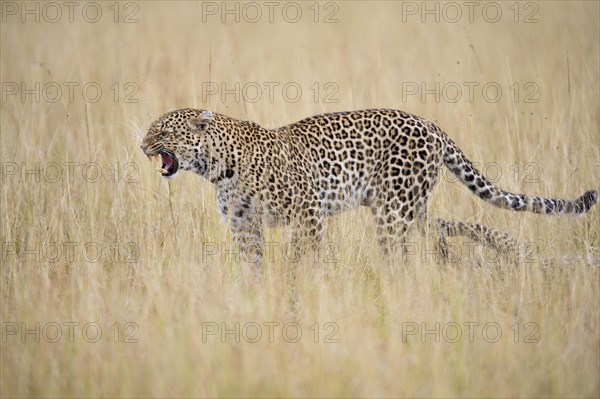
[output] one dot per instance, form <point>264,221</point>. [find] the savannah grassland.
<point>163,267</point>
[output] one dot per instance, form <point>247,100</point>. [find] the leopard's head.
<point>175,138</point>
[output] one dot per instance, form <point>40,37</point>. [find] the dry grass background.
<point>171,292</point>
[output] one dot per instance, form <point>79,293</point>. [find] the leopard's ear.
<point>201,121</point>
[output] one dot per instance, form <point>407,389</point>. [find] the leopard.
<point>299,174</point>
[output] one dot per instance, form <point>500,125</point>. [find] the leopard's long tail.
<point>463,169</point>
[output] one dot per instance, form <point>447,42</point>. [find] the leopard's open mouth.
<point>166,163</point>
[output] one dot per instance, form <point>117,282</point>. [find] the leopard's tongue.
<point>167,161</point>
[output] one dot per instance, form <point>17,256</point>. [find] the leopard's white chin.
<point>170,177</point>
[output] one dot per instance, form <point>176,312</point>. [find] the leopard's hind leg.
<point>498,240</point>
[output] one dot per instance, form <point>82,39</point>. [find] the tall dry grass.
<point>155,273</point>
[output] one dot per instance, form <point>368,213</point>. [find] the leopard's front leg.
<point>307,228</point>
<point>246,225</point>
<point>247,232</point>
